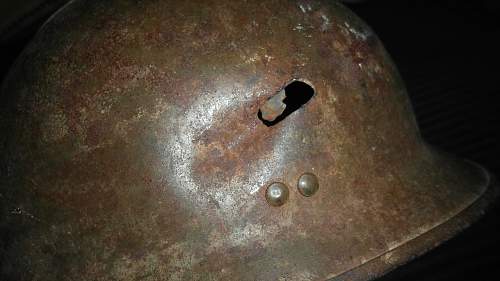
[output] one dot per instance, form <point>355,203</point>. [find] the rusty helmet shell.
<point>132,148</point>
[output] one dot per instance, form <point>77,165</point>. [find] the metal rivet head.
<point>276,194</point>
<point>308,184</point>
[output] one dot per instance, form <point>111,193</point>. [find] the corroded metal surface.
<point>274,106</point>
<point>132,150</point>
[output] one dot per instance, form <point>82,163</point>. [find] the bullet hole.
<point>285,102</point>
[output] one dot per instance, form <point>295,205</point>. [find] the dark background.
<point>448,53</point>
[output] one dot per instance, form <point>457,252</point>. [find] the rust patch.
<point>134,148</point>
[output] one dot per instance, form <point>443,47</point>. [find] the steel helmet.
<point>218,140</point>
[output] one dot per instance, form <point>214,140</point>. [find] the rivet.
<point>308,184</point>
<point>276,194</point>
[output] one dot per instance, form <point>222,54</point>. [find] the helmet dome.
<point>218,140</point>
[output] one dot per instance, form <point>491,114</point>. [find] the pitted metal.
<point>131,148</point>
